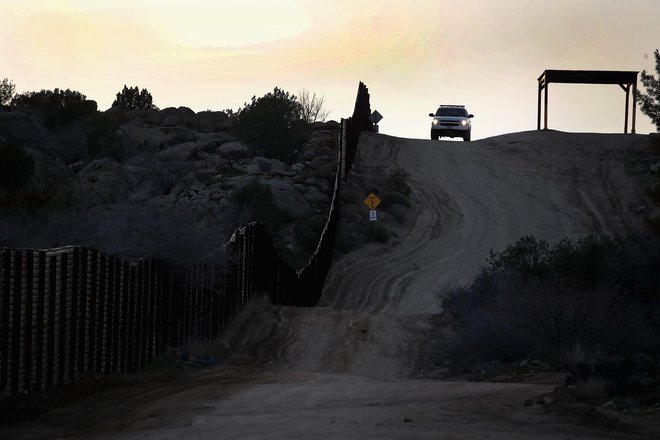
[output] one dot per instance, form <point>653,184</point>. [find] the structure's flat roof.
<point>589,76</point>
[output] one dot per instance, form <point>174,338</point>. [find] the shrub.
<point>591,296</point>
<point>132,98</point>
<point>258,200</point>
<point>16,167</point>
<point>55,107</point>
<point>273,125</point>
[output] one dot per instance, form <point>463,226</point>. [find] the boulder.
<point>263,163</point>
<point>186,114</point>
<point>147,190</point>
<point>210,122</point>
<point>289,199</point>
<point>315,196</point>
<point>169,117</point>
<point>179,153</point>
<point>253,169</point>
<point>155,117</point>
<point>278,167</point>
<point>171,121</point>
<point>20,127</point>
<point>135,138</point>
<point>101,182</point>
<point>234,149</point>
<point>219,138</point>
<point>138,115</point>
<point>320,183</point>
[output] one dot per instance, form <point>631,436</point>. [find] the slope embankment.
<point>344,369</point>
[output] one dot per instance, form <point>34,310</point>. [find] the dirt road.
<point>345,369</point>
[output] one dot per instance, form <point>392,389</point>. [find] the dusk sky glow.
<point>413,55</point>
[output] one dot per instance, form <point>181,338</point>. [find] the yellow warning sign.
<point>372,201</point>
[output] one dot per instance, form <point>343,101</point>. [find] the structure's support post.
<point>625,124</point>
<point>634,107</point>
<point>538,111</point>
<point>545,112</point>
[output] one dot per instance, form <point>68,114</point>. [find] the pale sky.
<point>413,55</point>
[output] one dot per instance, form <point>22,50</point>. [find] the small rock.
<point>654,168</point>
<point>529,402</point>
<point>407,420</point>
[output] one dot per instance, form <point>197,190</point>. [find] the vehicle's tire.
<point>434,136</point>
<point>466,138</point>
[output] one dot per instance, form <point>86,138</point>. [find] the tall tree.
<point>7,89</point>
<point>650,101</point>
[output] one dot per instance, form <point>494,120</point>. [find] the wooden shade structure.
<point>625,79</point>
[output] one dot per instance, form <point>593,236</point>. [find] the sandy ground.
<point>346,369</point>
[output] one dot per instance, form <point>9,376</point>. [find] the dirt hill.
<point>348,369</point>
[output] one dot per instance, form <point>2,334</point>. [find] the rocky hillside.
<point>166,183</point>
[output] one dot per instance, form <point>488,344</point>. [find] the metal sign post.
<point>375,117</point>
<point>372,201</point>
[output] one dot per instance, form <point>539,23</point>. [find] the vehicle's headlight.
<point>436,122</point>
<point>464,122</point>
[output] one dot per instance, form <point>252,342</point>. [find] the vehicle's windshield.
<point>451,111</point>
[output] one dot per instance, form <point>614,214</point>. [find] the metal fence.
<point>70,311</point>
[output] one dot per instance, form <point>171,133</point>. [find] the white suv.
<point>451,121</point>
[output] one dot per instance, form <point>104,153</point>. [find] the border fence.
<point>69,311</point>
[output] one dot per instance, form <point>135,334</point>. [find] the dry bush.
<point>312,107</point>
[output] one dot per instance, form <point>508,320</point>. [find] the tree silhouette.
<point>312,109</point>
<point>650,102</point>
<point>7,89</point>
<point>55,107</point>
<point>132,98</point>
<point>273,124</point>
